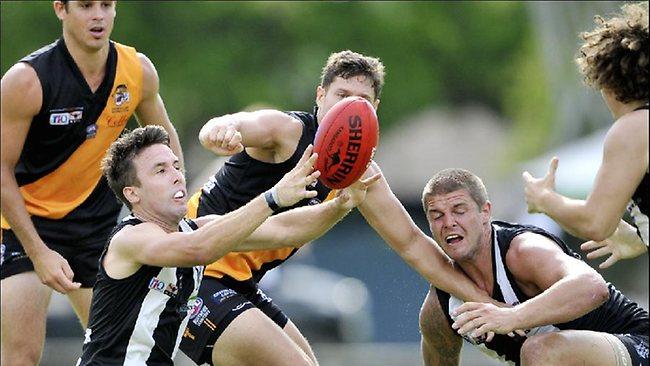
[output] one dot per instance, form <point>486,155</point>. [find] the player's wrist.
<point>272,200</point>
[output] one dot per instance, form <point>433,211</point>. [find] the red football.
<point>345,141</point>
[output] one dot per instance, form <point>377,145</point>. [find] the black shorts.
<point>83,257</point>
<point>216,307</point>
<point>637,347</point>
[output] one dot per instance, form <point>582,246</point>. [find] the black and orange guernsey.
<point>241,179</point>
<point>58,171</point>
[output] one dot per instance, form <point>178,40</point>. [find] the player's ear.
<point>486,212</point>
<point>60,9</point>
<point>131,194</point>
<point>320,95</point>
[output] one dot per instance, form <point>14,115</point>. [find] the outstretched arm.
<point>625,161</point>
<point>147,243</point>
<point>387,216</point>
<point>301,225</point>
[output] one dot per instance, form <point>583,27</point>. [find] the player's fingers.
<point>481,330</point>
<point>608,262</point>
<point>526,177</point>
<point>591,244</point>
<point>371,180</point>
<point>553,167</point>
<point>465,307</point>
<point>490,336</point>
<point>599,252</point>
<point>305,155</point>
<point>520,332</point>
<point>234,140</point>
<point>227,137</point>
<point>310,194</point>
<point>67,271</point>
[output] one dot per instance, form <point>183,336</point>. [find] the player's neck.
<point>479,268</point>
<point>91,63</point>
<point>147,216</point>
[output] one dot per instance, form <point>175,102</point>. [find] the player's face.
<point>457,223</point>
<point>354,86</point>
<point>162,192</point>
<point>87,23</point>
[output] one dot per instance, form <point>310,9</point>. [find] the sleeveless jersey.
<point>58,170</point>
<point>618,315</point>
<point>639,205</point>
<point>139,320</point>
<point>241,179</point>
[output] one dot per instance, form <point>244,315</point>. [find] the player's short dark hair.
<point>615,55</point>
<point>117,164</point>
<point>451,180</point>
<point>346,64</point>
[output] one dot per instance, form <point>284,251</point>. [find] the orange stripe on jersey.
<point>61,191</point>
<point>240,265</point>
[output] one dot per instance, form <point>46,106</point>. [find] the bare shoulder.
<point>22,95</point>
<point>21,80</point>
<point>630,129</point>
<point>128,240</point>
<point>150,79</point>
<point>529,249</point>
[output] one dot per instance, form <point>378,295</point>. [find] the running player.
<point>614,60</point>
<point>62,106</point>
<point>264,145</point>
<point>573,316</point>
<point>146,288</point>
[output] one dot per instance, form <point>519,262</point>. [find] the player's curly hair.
<point>454,179</point>
<point>117,164</point>
<point>615,56</point>
<point>346,64</point>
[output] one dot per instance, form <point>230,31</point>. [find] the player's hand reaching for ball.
<point>292,188</point>
<point>352,196</point>
<point>538,189</point>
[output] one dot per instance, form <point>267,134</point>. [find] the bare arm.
<point>625,161</point>
<point>266,134</point>
<point>149,244</point>
<point>562,288</point>
<point>440,344</point>
<point>151,110</point>
<point>301,225</point>
<point>387,216</point>
<point>21,100</point>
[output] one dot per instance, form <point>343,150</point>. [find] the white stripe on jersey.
<point>141,342</point>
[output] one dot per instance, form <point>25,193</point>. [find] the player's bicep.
<point>21,99</point>
<point>151,109</point>
<point>625,161</point>
<point>148,244</point>
<point>538,261</point>
<point>268,128</point>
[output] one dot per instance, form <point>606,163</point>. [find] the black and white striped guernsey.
<point>139,320</point>
<point>618,315</point>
